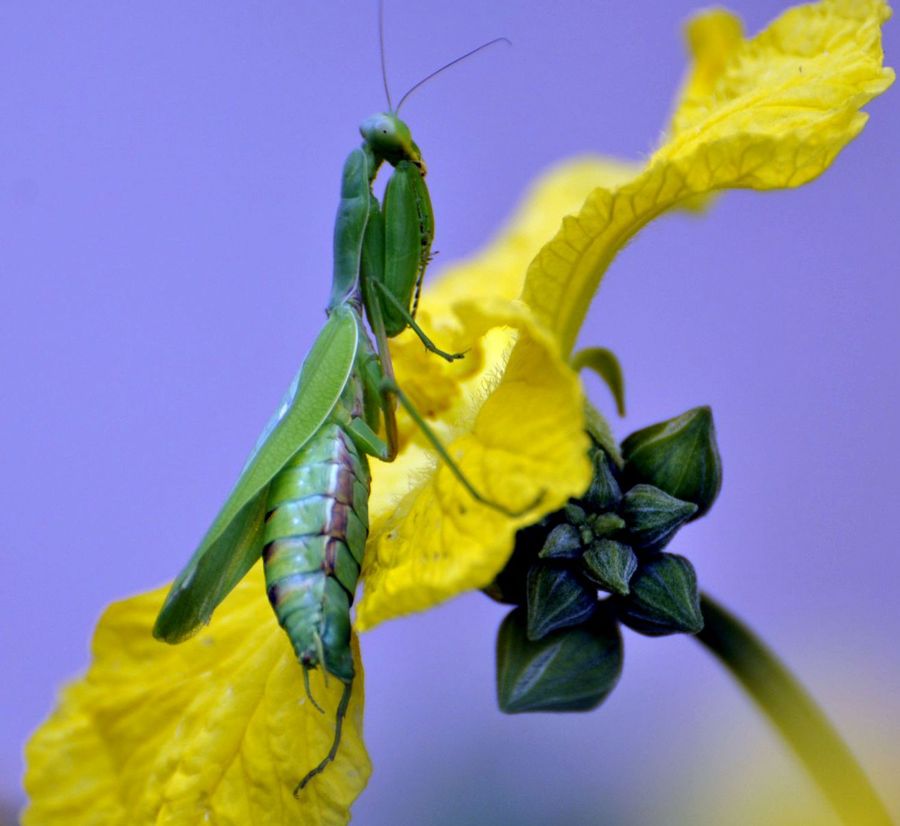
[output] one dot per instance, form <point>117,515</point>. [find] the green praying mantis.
<point>301,501</point>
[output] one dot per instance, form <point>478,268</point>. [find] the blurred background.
<point>168,183</point>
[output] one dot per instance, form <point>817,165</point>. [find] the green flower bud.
<point>574,514</point>
<point>653,516</point>
<point>604,525</point>
<point>604,493</point>
<point>679,456</point>
<point>664,598</point>
<point>563,542</point>
<point>611,565</point>
<point>570,670</point>
<point>557,598</point>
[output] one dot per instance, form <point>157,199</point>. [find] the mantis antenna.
<point>424,80</point>
<point>459,59</point>
<point>387,91</point>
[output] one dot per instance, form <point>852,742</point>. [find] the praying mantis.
<point>301,501</point>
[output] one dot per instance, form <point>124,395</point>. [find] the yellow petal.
<point>217,729</point>
<point>774,114</point>
<point>499,270</point>
<point>521,437</point>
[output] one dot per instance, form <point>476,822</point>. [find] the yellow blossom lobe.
<point>764,113</point>
<point>217,729</point>
<point>499,270</point>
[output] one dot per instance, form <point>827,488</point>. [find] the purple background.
<point>168,181</point>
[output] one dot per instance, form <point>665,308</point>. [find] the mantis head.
<point>390,139</point>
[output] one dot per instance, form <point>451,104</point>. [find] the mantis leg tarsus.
<point>338,726</point>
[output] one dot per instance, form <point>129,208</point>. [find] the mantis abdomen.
<point>315,536</point>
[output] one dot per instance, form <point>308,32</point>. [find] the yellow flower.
<point>764,113</point>
<point>218,729</point>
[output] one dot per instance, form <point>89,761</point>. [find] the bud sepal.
<point>663,599</point>
<point>569,670</point>
<point>557,598</point>
<point>653,516</point>
<point>610,565</point>
<point>679,456</point>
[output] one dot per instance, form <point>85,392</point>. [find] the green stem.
<point>795,714</point>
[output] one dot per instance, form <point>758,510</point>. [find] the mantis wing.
<point>232,544</point>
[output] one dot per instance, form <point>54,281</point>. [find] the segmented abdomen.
<point>316,528</point>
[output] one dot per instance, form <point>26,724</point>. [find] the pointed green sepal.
<point>557,598</point>
<point>664,598</point>
<point>574,514</point>
<point>563,542</point>
<point>570,670</point>
<point>604,525</point>
<point>653,516</point>
<point>604,363</point>
<point>611,565</point>
<point>679,456</point>
<point>604,493</point>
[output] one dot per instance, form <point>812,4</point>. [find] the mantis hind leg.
<point>338,726</point>
<point>390,390</point>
